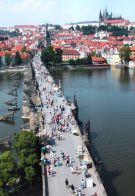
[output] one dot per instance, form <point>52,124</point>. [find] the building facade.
<point>69,54</point>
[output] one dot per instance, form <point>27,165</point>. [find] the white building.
<point>85,23</point>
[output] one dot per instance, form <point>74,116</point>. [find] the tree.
<point>93,53</point>
<point>88,60</point>
<point>83,61</point>
<point>132,29</point>
<point>48,56</point>
<point>102,28</point>
<point>118,31</point>
<point>72,28</point>
<point>124,53</point>
<point>8,59</point>
<point>0,61</point>
<point>24,140</point>
<point>78,28</point>
<point>30,173</point>
<point>72,62</point>
<point>57,27</point>
<point>31,52</point>
<point>40,44</point>
<point>58,55</point>
<point>24,49</point>
<point>17,59</point>
<point>26,146</point>
<point>8,173</point>
<point>88,29</point>
<point>8,33</point>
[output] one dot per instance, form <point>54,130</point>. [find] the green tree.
<point>8,59</point>
<point>24,49</point>
<point>78,28</point>
<point>48,56</point>
<point>88,60</point>
<point>83,61</point>
<point>40,44</point>
<point>17,59</point>
<point>26,146</point>
<point>102,28</point>
<point>31,52</point>
<point>0,61</point>
<point>30,173</point>
<point>11,34</point>
<point>118,31</point>
<point>93,53</point>
<point>88,29</point>
<point>132,29</point>
<point>24,140</point>
<point>58,27</point>
<point>58,55</point>
<point>124,53</point>
<point>8,173</point>
<point>72,62</point>
<point>72,28</point>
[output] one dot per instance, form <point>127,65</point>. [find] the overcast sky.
<point>60,11</point>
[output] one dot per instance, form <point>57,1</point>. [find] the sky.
<point>14,12</point>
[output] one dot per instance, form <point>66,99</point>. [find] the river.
<point>6,84</point>
<point>107,98</point>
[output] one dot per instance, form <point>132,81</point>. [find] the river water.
<point>107,98</point>
<point>6,84</point>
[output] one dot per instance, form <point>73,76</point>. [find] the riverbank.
<point>13,69</point>
<point>79,67</point>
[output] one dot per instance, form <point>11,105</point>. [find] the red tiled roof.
<point>24,55</point>
<point>98,59</point>
<point>24,26</point>
<point>132,48</point>
<point>70,52</point>
<point>64,35</point>
<point>117,21</point>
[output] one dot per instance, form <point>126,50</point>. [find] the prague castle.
<point>105,18</point>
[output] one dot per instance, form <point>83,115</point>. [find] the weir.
<point>11,102</point>
<point>8,116</point>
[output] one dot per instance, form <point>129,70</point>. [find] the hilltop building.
<point>105,15</point>
<point>105,18</point>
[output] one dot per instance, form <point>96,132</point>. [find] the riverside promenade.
<point>67,156</point>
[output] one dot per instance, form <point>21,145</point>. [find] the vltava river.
<point>107,98</point>
<point>6,84</point>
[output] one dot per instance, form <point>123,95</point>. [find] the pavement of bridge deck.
<point>67,145</point>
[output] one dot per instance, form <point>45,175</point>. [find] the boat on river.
<point>13,108</point>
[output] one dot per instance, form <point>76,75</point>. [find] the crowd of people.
<point>57,119</point>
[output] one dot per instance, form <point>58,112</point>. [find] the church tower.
<point>105,14</point>
<point>100,16</point>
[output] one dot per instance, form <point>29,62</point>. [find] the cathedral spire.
<point>100,16</point>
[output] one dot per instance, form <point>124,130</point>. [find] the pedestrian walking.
<point>49,169</point>
<point>67,163</point>
<point>66,182</point>
<point>79,192</point>
<point>72,188</point>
